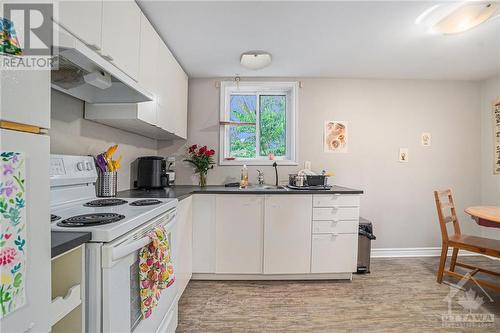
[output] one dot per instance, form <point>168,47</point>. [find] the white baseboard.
<point>415,252</point>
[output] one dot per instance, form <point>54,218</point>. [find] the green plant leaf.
<point>18,279</point>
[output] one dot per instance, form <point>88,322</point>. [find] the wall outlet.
<point>403,155</point>
<point>171,159</point>
<point>307,165</point>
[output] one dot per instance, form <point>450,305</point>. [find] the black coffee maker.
<point>151,172</point>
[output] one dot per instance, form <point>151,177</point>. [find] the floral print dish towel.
<point>156,271</point>
<point>12,232</point>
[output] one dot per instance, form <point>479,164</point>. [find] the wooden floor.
<point>400,295</point>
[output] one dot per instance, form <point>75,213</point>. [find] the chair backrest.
<point>446,212</point>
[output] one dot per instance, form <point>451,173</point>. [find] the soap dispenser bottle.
<point>244,177</point>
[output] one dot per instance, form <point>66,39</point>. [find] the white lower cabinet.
<point>287,234</point>
<point>183,254</point>
<point>203,233</point>
<point>338,227</point>
<point>334,253</point>
<point>238,236</point>
<point>336,213</point>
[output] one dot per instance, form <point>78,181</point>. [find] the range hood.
<point>81,72</point>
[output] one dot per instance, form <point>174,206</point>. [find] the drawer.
<point>333,253</point>
<point>336,213</point>
<point>332,200</point>
<point>339,227</point>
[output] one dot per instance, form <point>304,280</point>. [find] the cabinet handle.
<point>107,57</point>
<point>94,47</point>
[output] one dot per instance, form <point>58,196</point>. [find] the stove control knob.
<point>88,166</point>
<point>80,166</point>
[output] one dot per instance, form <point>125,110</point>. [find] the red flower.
<point>193,148</point>
<point>7,256</point>
<point>209,152</point>
<point>202,150</point>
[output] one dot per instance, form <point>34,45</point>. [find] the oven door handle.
<point>114,252</point>
<point>124,250</point>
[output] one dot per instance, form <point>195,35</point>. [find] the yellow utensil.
<point>117,163</point>
<point>111,150</point>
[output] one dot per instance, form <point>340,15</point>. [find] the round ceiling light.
<point>255,59</point>
<point>452,18</point>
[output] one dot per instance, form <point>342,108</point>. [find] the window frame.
<point>260,88</point>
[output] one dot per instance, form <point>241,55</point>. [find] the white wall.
<point>490,92</point>
<point>490,183</point>
<point>383,115</point>
<point>73,135</point>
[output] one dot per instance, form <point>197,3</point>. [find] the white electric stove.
<point>119,228</point>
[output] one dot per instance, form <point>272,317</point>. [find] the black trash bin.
<point>365,237</point>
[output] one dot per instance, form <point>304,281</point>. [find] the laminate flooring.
<point>399,295</point>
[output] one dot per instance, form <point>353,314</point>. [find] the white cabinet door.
<point>83,19</point>
<point>203,233</point>
<point>173,99</point>
<point>238,246</point>
<point>180,102</point>
<point>121,27</point>
<point>148,70</point>
<point>184,244</point>
<point>334,253</point>
<point>287,234</point>
<point>166,88</point>
<point>25,97</point>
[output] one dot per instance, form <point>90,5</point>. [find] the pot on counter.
<point>300,180</point>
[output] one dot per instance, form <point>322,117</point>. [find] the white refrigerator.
<point>25,250</point>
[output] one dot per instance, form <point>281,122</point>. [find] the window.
<point>258,120</point>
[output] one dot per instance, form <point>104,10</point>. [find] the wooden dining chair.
<point>447,213</point>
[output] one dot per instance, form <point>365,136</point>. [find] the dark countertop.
<point>183,191</point>
<point>64,241</point>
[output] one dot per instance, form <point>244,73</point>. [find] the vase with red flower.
<point>202,158</point>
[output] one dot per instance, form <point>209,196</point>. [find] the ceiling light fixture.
<point>453,18</point>
<point>255,59</point>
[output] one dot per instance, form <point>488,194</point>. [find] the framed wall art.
<point>335,138</point>
<point>496,137</point>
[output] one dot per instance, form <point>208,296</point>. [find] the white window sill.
<point>258,162</point>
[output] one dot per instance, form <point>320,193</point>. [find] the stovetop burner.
<point>54,218</point>
<point>145,202</point>
<point>90,220</point>
<point>105,202</point>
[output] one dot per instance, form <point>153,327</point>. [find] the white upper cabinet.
<point>173,84</point>
<point>122,34</point>
<point>238,234</point>
<point>83,19</point>
<point>148,70</point>
<point>121,29</point>
<point>287,234</point>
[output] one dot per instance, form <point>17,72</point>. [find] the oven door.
<point>121,306</point>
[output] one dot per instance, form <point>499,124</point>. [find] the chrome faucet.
<point>275,166</point>
<point>261,177</point>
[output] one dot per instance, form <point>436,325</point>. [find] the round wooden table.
<point>486,216</point>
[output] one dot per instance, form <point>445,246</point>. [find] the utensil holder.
<point>106,184</point>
